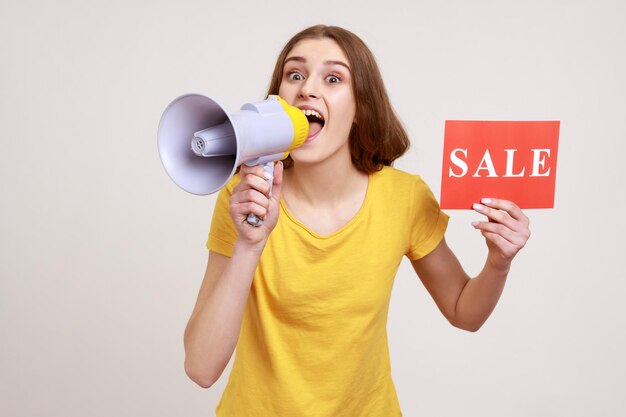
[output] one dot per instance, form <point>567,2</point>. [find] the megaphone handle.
<point>252,219</point>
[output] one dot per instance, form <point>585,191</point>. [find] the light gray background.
<point>102,255</point>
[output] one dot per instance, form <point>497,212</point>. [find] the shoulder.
<point>399,191</point>
<point>397,181</point>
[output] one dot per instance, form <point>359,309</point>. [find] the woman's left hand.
<point>506,232</point>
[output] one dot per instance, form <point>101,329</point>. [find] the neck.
<point>328,183</point>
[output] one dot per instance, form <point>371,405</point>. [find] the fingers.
<point>253,177</point>
<point>249,201</point>
<point>511,236</point>
<point>507,248</point>
<point>277,184</point>
<point>251,195</point>
<point>504,212</point>
<point>507,224</point>
<point>506,206</point>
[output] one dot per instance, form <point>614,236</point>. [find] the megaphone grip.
<point>252,219</point>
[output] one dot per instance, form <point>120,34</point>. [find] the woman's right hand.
<point>252,195</point>
<point>227,281</point>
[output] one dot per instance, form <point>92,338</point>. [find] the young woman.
<point>305,297</point>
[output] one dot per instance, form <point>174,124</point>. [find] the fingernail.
<point>475,224</point>
<point>486,201</point>
<point>478,207</point>
<point>267,175</point>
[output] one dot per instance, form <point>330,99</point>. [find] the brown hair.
<point>377,138</point>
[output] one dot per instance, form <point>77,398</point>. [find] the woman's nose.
<point>308,89</point>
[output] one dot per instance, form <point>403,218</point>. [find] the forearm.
<point>480,296</point>
<point>506,232</point>
<point>213,330</point>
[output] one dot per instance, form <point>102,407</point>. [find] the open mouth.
<point>316,121</point>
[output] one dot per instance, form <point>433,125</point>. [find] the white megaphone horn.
<point>201,145</point>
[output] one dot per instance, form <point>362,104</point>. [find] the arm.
<point>465,302</point>
<point>213,329</point>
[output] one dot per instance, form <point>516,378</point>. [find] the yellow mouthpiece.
<point>300,124</point>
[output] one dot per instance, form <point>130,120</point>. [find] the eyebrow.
<point>330,62</point>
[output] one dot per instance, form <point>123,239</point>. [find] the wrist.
<point>499,264</point>
<point>245,247</point>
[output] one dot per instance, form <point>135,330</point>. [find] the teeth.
<point>312,113</point>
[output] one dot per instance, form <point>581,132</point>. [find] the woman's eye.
<point>295,76</point>
<point>333,79</point>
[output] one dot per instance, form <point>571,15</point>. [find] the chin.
<point>307,151</point>
<point>303,158</point>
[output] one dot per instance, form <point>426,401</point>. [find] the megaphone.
<point>201,144</point>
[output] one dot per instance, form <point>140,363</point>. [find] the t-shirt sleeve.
<point>222,235</point>
<point>428,221</point>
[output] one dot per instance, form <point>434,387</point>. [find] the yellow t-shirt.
<point>313,341</point>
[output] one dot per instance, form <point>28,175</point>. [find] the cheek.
<point>345,99</point>
<point>286,93</point>
<point>348,108</point>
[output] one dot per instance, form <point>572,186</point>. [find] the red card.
<point>508,160</point>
